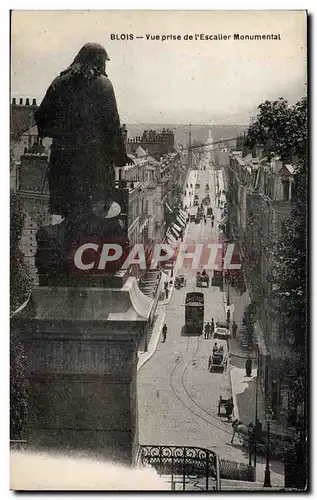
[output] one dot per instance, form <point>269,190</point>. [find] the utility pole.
<point>190,153</point>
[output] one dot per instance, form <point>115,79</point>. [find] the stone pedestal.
<point>82,353</point>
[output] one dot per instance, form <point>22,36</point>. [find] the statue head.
<point>90,61</point>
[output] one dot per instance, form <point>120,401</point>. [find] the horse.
<point>241,429</point>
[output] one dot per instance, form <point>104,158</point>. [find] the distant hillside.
<point>199,132</point>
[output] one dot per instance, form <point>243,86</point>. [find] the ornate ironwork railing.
<point>189,468</point>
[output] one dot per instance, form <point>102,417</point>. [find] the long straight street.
<point>178,396</point>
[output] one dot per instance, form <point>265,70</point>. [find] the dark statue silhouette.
<point>79,112</point>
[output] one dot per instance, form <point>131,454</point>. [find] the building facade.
<point>260,198</point>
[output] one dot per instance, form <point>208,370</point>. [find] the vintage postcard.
<point>158,231</point>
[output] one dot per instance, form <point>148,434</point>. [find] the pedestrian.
<point>257,429</point>
<point>164,332</point>
<point>234,329</point>
<point>206,330</point>
<point>248,367</point>
<point>166,289</point>
<point>212,327</point>
<point>205,219</point>
<point>229,409</point>
<point>215,347</point>
<point>228,316</point>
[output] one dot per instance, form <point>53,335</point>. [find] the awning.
<point>178,229</point>
<point>224,219</point>
<point>171,241</point>
<point>181,221</point>
<point>180,217</point>
<point>182,213</point>
<point>174,233</point>
<point>169,208</point>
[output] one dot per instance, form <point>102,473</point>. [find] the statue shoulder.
<point>103,85</point>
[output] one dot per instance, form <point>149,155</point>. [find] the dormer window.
<point>287,189</point>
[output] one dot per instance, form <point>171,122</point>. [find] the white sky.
<point>174,81</point>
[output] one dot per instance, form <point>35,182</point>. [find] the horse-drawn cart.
<point>201,279</point>
<point>180,281</point>
<point>227,404</point>
<point>218,360</point>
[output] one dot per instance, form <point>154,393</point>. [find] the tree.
<point>20,281</point>
<point>20,284</point>
<point>281,129</point>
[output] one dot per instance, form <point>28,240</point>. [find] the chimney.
<point>14,101</point>
<point>27,102</point>
<point>21,101</point>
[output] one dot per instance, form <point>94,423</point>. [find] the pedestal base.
<point>82,353</point>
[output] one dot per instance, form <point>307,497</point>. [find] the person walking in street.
<point>248,367</point>
<point>234,330</point>
<point>228,317</point>
<point>206,336</point>
<point>212,327</point>
<point>205,221</point>
<point>164,332</point>
<point>166,289</point>
<point>229,409</point>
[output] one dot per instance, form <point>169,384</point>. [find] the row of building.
<point>158,166</point>
<point>260,196</point>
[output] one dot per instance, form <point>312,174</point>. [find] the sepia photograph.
<point>158,250</point>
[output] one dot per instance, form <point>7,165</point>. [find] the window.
<point>285,184</point>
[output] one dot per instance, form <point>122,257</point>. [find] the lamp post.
<point>256,403</point>
<point>228,299</point>
<point>267,474</point>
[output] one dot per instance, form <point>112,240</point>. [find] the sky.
<point>177,81</point>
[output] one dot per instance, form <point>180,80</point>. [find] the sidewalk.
<point>240,302</point>
<point>244,400</point>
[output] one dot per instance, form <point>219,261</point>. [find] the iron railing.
<point>186,467</point>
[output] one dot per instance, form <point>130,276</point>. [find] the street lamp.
<point>256,402</point>
<point>267,474</point>
<point>228,299</point>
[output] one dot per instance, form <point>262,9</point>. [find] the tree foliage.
<point>20,284</point>
<point>282,130</point>
<point>19,275</point>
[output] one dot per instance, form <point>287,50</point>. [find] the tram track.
<point>179,398</point>
<point>186,399</point>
